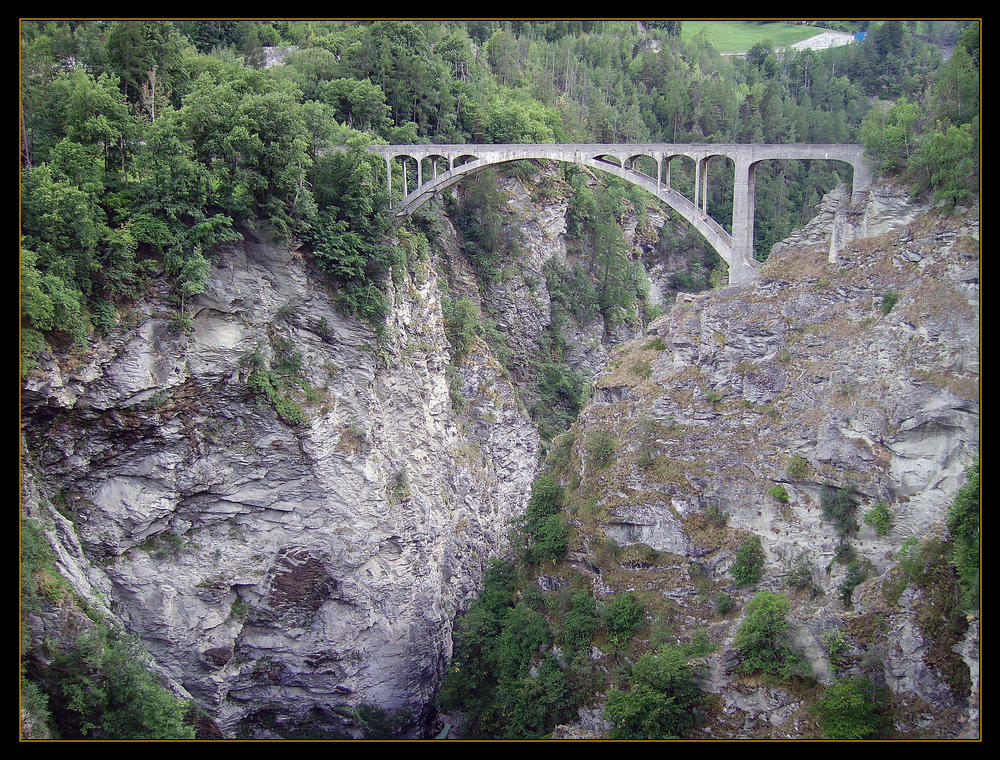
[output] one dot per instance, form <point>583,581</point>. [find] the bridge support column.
<point>862,181</point>
<point>419,172</point>
<point>668,171</point>
<point>740,269</point>
<point>704,190</point>
<point>388,179</point>
<point>406,187</point>
<point>697,180</point>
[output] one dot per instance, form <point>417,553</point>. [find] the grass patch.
<point>643,368</point>
<point>779,493</point>
<point>353,438</point>
<point>655,344</point>
<point>889,299</point>
<point>162,545</point>
<point>798,467</point>
<point>938,300</point>
<point>738,36</point>
<point>664,470</point>
<point>601,447</point>
<point>963,387</point>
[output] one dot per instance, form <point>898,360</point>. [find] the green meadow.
<point>737,36</point>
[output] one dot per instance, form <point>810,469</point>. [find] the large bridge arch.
<point>736,248</point>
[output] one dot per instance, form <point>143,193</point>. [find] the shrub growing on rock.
<point>879,518</point>
<point>106,691</point>
<point>800,577</point>
<point>724,603</point>
<point>624,616</point>
<point>762,638</point>
<point>849,709</point>
<point>748,566</point>
<point>662,701</point>
<point>889,299</point>
<point>963,525</point>
<point>462,325</point>
<point>855,575</point>
<point>581,622</point>
<point>601,447</point>
<point>839,505</point>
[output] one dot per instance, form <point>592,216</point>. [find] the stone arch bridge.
<point>449,163</point>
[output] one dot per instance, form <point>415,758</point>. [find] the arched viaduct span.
<point>619,159</point>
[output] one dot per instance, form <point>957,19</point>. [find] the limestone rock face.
<point>285,573</point>
<point>282,574</point>
<point>859,375</point>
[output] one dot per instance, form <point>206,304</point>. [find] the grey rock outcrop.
<point>282,574</point>
<point>286,574</point>
<point>812,367</point>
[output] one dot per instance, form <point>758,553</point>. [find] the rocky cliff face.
<point>287,559</point>
<point>282,574</point>
<point>730,416</point>
<point>286,573</point>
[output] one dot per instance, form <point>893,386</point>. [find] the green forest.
<point>145,145</point>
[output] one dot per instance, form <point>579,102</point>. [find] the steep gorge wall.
<point>281,574</point>
<point>284,575</point>
<point>707,411</point>
<point>537,207</point>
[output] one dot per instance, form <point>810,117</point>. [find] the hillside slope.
<point>738,416</point>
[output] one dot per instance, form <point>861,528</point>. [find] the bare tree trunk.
<point>25,146</point>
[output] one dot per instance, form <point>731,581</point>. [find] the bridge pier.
<point>862,181</point>
<point>743,211</point>
<point>388,178</point>
<point>697,180</point>
<point>704,189</point>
